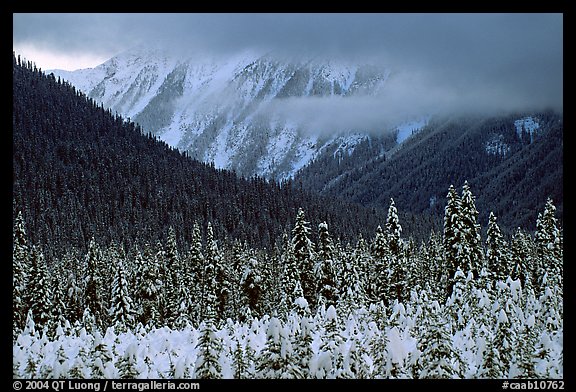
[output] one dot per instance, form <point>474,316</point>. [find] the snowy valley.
<point>134,260</point>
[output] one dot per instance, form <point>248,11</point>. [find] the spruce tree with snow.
<point>171,279</point>
<point>523,262</point>
<point>196,267</point>
<point>239,360</point>
<point>100,356</point>
<point>526,351</point>
<point>277,360</point>
<point>20,265</point>
<point>122,309</point>
<point>381,267</point>
<point>496,251</point>
<point>439,358</point>
<point>303,253</point>
<point>365,265</point>
<point>471,257</point>
<point>251,284</point>
<point>436,264</point>
<point>302,344</point>
<point>127,363</point>
<point>496,363</point>
<point>40,298</point>
<point>290,277</point>
<point>216,274</point>
<point>394,231</point>
<point>60,367</point>
<point>452,238</point>
<point>550,316</point>
<point>59,300</point>
<point>79,365</point>
<point>378,350</point>
<point>327,290</point>
<point>549,244</point>
<point>352,294</point>
<point>94,285</point>
<point>209,345</point>
<point>457,305</point>
<point>330,358</point>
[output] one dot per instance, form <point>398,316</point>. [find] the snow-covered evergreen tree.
<point>352,294</point>
<point>330,358</point>
<point>397,273</point>
<point>196,269</point>
<point>471,247</point>
<point>94,285</point>
<point>277,358</point>
<point>122,309</point>
<point>523,261</point>
<point>290,277</point>
<point>496,251</point>
<point>40,298</point>
<point>20,265</point>
<point>127,363</point>
<point>381,268</point>
<point>215,273</point>
<point>548,241</point>
<point>251,283</point>
<point>452,238</point>
<point>303,253</point>
<point>439,358</point>
<point>172,285</point>
<point>327,290</point>
<point>100,356</point>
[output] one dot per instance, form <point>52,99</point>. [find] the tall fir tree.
<point>290,277</point>
<point>251,283</point>
<point>452,237</point>
<point>122,309</point>
<point>327,291</point>
<point>148,284</point>
<point>523,261</point>
<point>40,299</point>
<point>172,286</point>
<point>303,252</point>
<point>439,358</point>
<point>394,231</point>
<point>220,273</point>
<point>196,260</point>
<point>471,248</point>
<point>94,285</point>
<point>549,244</point>
<point>20,266</point>
<point>497,255</point>
<point>397,274</point>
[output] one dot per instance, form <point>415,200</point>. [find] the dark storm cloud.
<point>482,60</point>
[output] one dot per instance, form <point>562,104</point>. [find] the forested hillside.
<point>79,171</point>
<point>512,164</point>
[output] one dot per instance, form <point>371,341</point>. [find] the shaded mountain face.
<point>230,111</point>
<point>513,163</point>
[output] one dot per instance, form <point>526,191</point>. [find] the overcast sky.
<point>503,58</point>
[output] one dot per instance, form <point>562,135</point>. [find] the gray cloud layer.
<point>438,61</point>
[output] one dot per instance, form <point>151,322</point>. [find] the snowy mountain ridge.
<point>233,112</point>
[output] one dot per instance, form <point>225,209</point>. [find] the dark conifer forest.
<point>131,260</point>
<point>80,171</point>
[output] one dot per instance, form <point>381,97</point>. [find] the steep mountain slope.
<point>228,111</point>
<point>79,171</point>
<point>513,163</point>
